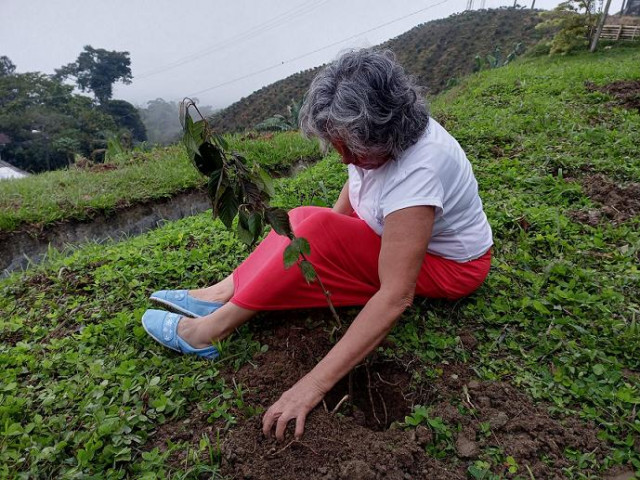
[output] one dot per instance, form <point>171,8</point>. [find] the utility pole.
<point>594,43</point>
<point>533,4</point>
<point>622,7</point>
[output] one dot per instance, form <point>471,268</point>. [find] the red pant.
<point>344,252</point>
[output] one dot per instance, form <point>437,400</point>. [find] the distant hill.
<point>435,52</point>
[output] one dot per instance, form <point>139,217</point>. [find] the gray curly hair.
<point>366,100</point>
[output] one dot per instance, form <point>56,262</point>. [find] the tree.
<point>574,23</point>
<point>126,116</point>
<point>7,67</point>
<point>97,70</point>
<point>46,123</point>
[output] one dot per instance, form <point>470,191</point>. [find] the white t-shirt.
<point>435,171</point>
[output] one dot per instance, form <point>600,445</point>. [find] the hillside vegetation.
<point>538,372</point>
<point>434,52</point>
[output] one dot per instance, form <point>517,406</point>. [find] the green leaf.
<point>252,193</point>
<point>628,395</point>
<point>255,224</point>
<point>208,159</point>
<point>192,137</point>
<point>188,121</point>
<point>279,221</point>
<point>598,369</point>
<point>291,255</point>
<point>267,182</point>
<point>13,429</point>
<point>190,144</point>
<point>308,271</point>
<point>219,139</point>
<point>227,207</point>
<point>540,308</point>
<point>212,186</point>
<point>244,234</point>
<point>294,250</point>
<point>197,130</point>
<point>302,245</point>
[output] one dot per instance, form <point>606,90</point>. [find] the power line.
<point>255,31</point>
<point>317,50</point>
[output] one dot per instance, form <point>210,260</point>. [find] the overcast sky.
<point>217,51</point>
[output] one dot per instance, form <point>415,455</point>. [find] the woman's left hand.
<point>294,404</point>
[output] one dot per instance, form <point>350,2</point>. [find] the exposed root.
<point>337,407</point>
<point>373,407</point>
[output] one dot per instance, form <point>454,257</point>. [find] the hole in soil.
<point>379,395</point>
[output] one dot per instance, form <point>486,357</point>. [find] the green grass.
<point>78,194</point>
<point>276,152</point>
<point>84,388</point>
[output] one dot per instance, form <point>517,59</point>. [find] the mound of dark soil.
<point>625,92</point>
<point>379,393</point>
<point>619,203</point>
<point>332,448</point>
<point>355,443</point>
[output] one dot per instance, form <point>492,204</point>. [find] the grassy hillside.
<point>538,371</point>
<point>434,52</point>
<point>81,193</point>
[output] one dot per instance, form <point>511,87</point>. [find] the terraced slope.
<point>435,52</point>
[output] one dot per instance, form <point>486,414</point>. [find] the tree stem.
<point>327,294</point>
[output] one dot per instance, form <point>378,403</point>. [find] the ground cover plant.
<point>537,375</point>
<point>79,193</point>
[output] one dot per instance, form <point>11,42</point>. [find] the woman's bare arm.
<point>343,204</point>
<point>404,244</point>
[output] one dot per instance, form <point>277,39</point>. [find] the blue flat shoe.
<point>180,301</point>
<point>163,328</point>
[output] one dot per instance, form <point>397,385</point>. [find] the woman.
<point>408,222</point>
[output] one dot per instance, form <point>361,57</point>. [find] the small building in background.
<point>8,171</point>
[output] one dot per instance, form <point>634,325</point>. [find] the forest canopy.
<point>44,124</point>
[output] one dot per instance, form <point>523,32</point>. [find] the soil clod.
<point>465,447</point>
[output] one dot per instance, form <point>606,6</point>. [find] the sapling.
<point>239,187</point>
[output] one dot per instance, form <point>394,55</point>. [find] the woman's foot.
<point>220,292</point>
<point>164,328</point>
<point>181,301</point>
<point>188,331</point>
<point>196,303</point>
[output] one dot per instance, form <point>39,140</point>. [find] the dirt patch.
<point>498,416</point>
<point>619,202</point>
<point>379,391</point>
<point>332,448</point>
<point>479,418</point>
<point>11,338</point>
<point>625,92</point>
